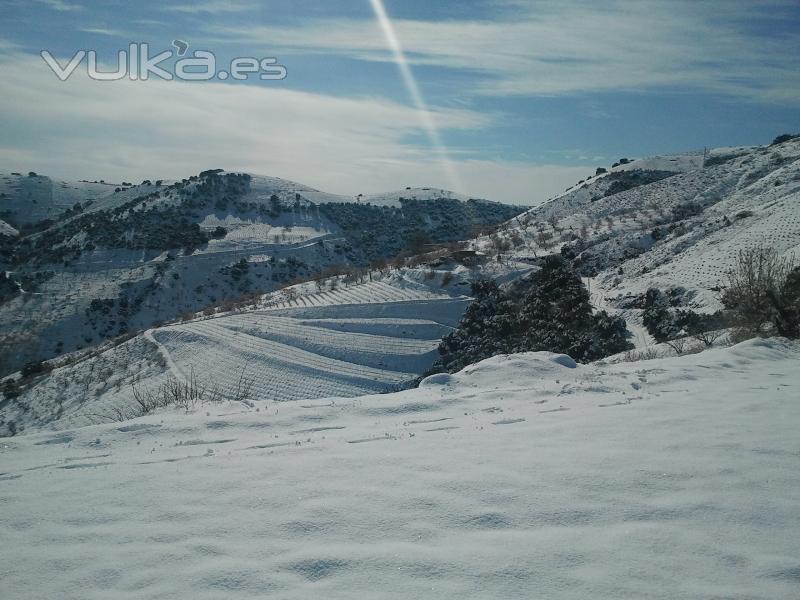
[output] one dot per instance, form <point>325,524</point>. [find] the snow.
<point>31,199</point>
<point>750,197</point>
<point>7,230</point>
<point>295,244</point>
<point>523,476</point>
<point>374,337</point>
<point>677,163</point>
<point>411,193</point>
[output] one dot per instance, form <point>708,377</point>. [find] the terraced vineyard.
<point>363,339</point>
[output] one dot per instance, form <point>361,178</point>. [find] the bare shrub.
<point>516,240</point>
<point>244,387</point>
<point>186,395</point>
<point>762,295</point>
<point>544,239</point>
<point>709,338</point>
<point>679,345</point>
<point>499,243</point>
<point>648,353</point>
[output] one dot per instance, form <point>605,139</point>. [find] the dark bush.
<point>762,296</point>
<point>785,137</point>
<point>666,323</point>
<point>10,389</point>
<point>547,311</point>
<point>35,368</point>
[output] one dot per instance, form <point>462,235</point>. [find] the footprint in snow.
<point>554,410</point>
<point>85,465</point>
<point>63,438</point>
<point>204,442</point>
<point>508,421</point>
<point>317,429</point>
<point>620,403</point>
<point>272,445</point>
<point>376,439</point>
<point>167,460</point>
<point>425,421</point>
<point>70,459</point>
<point>138,427</point>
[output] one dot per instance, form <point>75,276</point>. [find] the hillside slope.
<point>633,229</point>
<point>30,198</point>
<point>148,253</point>
<point>624,231</point>
<point>355,339</point>
<point>7,230</point>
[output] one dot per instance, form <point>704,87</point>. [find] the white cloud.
<point>213,7</point>
<point>105,31</point>
<point>565,47</point>
<point>7,45</point>
<point>135,130</point>
<point>61,5</point>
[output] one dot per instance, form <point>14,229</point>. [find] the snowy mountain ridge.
<point>148,253</point>
<point>297,465</point>
<point>631,230</point>
<point>377,330</point>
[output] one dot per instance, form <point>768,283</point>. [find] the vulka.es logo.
<point>136,64</point>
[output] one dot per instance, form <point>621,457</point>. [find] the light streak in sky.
<point>427,121</point>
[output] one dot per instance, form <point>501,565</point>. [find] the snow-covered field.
<point>374,337</point>
<point>521,477</point>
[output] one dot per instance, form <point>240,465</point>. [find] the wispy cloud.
<point>61,5</point>
<point>105,31</point>
<point>345,145</point>
<point>568,47</point>
<point>7,45</point>
<point>213,7</point>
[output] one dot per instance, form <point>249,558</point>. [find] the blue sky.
<point>526,96</point>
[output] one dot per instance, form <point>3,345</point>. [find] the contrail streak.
<point>416,95</point>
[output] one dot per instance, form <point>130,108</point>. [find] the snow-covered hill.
<point>520,477</point>
<point>683,229</point>
<point>29,198</point>
<point>7,230</point>
<point>644,224</point>
<point>148,253</point>
<point>413,193</point>
<point>301,343</point>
